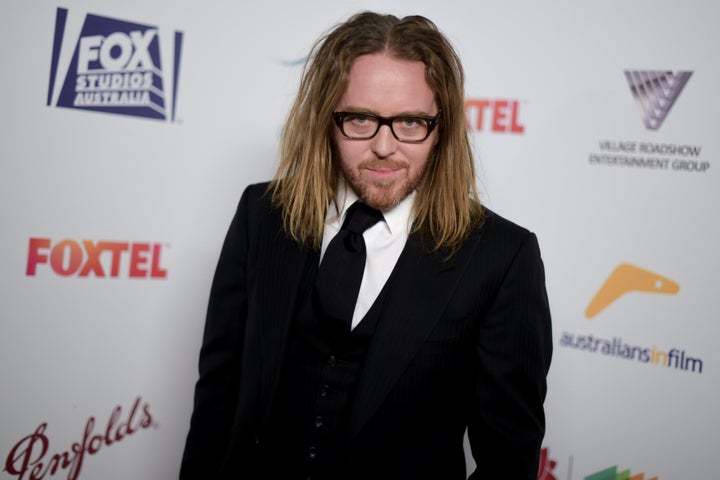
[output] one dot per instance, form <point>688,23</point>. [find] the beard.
<point>382,194</point>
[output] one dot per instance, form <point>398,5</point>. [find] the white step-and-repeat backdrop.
<point>129,129</point>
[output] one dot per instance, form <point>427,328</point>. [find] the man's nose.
<point>384,142</point>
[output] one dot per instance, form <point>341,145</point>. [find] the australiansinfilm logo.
<point>624,279</point>
<point>115,68</point>
<point>655,92</point>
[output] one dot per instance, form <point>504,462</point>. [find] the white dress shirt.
<point>384,242</point>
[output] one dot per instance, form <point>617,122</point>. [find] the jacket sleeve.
<point>217,388</point>
<point>513,349</point>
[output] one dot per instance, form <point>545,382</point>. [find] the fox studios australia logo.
<point>115,68</point>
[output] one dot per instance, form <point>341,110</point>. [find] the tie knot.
<point>360,217</point>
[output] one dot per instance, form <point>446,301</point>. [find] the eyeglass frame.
<point>432,122</point>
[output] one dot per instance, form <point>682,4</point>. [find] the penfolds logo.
<point>31,457</point>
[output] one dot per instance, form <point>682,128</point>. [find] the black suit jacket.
<point>461,343</point>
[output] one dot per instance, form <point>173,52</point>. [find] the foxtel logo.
<point>613,474</point>
<point>499,115</point>
<point>655,91</point>
<point>115,68</point>
<point>99,259</point>
<point>628,278</point>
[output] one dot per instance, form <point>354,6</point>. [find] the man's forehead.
<point>385,84</point>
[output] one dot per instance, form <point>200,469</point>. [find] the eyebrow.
<point>410,113</point>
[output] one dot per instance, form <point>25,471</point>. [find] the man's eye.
<point>359,119</point>
<point>412,122</point>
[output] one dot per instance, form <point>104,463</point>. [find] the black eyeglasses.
<point>405,128</point>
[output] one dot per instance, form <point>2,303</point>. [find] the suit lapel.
<point>282,266</point>
<point>418,291</point>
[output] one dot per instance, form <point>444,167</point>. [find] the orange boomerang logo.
<point>628,278</point>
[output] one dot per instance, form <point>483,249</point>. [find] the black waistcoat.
<point>306,435</point>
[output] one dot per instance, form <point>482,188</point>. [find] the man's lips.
<point>384,168</point>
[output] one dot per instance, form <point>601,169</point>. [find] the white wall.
<point>74,348</point>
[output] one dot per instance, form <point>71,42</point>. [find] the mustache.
<point>376,164</point>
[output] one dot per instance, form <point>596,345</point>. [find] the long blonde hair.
<point>447,206</point>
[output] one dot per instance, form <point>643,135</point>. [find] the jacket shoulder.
<point>497,227</point>
<point>257,192</point>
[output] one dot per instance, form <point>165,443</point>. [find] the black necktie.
<point>341,269</point>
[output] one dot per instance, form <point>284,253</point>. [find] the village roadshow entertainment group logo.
<point>655,92</point>
<point>115,68</point>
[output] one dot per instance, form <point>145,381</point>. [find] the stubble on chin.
<point>382,195</point>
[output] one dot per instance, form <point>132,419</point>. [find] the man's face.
<point>383,170</point>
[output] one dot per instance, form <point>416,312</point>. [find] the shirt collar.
<point>397,219</point>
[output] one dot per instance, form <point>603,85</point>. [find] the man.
<point>450,330</point>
